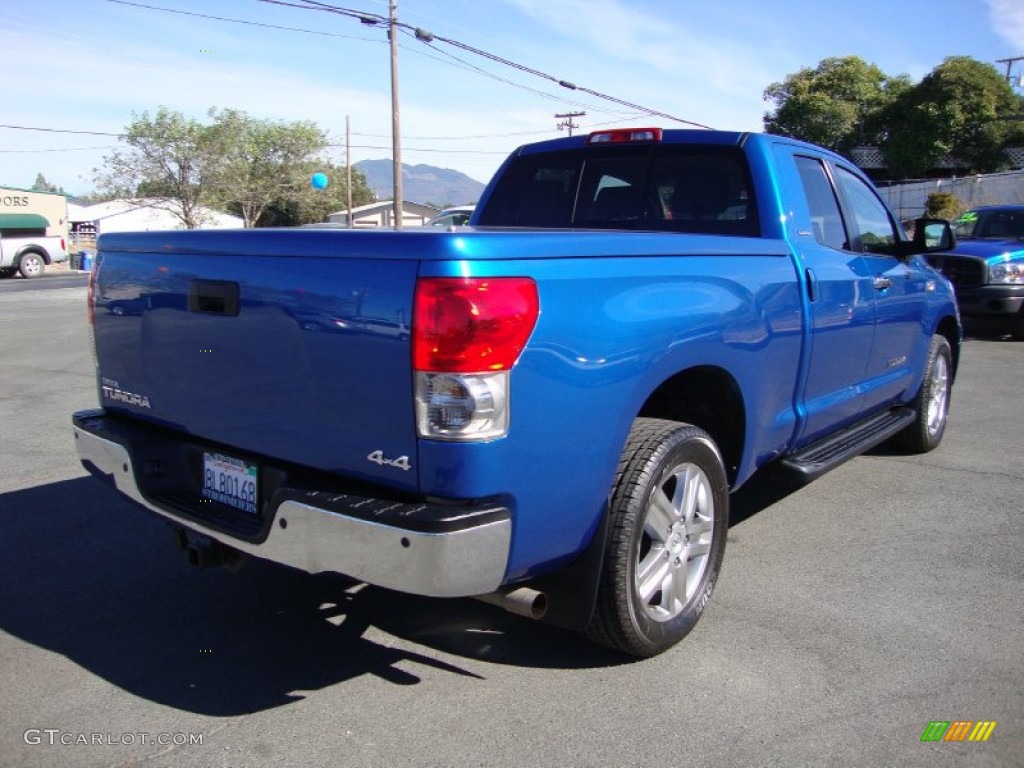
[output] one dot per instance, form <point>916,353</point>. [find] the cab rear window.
<point>660,187</point>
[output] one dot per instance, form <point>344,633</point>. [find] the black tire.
<point>7,272</point>
<point>932,401</point>
<point>662,557</point>
<point>1017,329</point>
<point>31,265</point>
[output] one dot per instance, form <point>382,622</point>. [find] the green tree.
<point>836,105</point>
<point>963,109</point>
<point>311,205</point>
<point>943,205</point>
<point>257,168</point>
<point>42,185</point>
<point>315,204</point>
<point>264,161</point>
<point>174,157</point>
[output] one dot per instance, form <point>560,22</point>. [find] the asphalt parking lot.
<point>850,614</point>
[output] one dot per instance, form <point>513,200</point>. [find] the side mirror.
<point>931,235</point>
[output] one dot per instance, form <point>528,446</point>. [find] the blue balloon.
<point>319,181</point>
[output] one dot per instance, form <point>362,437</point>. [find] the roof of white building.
<point>145,214</point>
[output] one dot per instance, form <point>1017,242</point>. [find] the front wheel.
<point>669,516</point>
<point>932,402</point>
<point>31,265</point>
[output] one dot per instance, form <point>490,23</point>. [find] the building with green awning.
<point>24,210</point>
<point>29,221</point>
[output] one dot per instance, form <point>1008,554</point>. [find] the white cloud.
<point>702,76</point>
<point>146,77</point>
<point>138,60</point>
<point>1008,22</point>
<point>103,87</point>
<point>96,85</point>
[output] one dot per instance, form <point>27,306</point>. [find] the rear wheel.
<point>31,265</point>
<point>669,519</point>
<point>932,401</point>
<point>7,272</point>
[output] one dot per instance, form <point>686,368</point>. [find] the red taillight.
<point>477,324</point>
<point>625,136</point>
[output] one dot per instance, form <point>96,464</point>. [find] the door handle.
<point>213,297</point>
<point>881,283</point>
<point>812,284</point>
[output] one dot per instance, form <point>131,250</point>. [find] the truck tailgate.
<point>303,357</point>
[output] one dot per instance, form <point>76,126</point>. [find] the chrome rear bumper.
<point>318,531</point>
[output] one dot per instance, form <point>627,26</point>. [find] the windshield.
<point>996,224</point>
<point>449,220</point>
<point>652,187</point>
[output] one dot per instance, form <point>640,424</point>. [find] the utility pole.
<point>567,123</point>
<point>1009,65</point>
<point>348,169</point>
<point>396,141</point>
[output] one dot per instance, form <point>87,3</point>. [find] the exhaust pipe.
<point>521,601</point>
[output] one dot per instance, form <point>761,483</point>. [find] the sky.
<point>90,65</point>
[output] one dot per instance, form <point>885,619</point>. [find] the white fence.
<point>907,199</point>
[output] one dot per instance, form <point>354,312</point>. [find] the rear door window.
<point>826,215</point>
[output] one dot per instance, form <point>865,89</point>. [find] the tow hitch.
<point>204,552</point>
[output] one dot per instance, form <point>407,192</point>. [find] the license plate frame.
<point>230,481</point>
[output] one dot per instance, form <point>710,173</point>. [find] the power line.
<point>62,130</point>
<point>563,83</point>
<point>61,149</point>
<point>374,20</point>
<point>243,21</point>
<point>330,144</point>
<point>363,16</point>
<point>465,65</point>
<point>419,34</point>
<point>428,37</point>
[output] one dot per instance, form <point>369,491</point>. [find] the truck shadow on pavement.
<point>760,492</point>
<point>87,576</point>
<point>91,578</point>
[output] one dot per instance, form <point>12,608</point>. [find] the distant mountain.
<point>425,184</point>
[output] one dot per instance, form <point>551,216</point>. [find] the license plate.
<point>231,481</point>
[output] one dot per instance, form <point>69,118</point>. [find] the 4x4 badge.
<point>402,462</point>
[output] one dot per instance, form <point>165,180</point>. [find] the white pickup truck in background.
<point>29,250</point>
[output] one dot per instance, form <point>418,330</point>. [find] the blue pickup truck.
<point>548,408</point>
<point>986,268</point>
